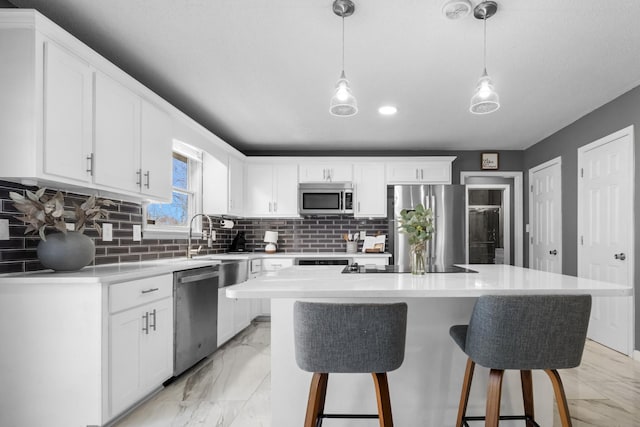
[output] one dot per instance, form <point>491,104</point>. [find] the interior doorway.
<point>514,181</point>
<point>488,224</point>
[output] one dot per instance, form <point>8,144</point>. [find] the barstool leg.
<point>527,395</point>
<point>494,393</point>
<point>466,389</point>
<point>384,401</point>
<point>561,398</point>
<point>317,394</point>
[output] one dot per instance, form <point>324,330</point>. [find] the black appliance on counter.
<point>356,268</point>
<point>239,243</point>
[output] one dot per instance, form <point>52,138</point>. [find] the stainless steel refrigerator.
<point>448,204</point>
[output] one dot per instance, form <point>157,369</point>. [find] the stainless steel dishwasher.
<point>195,315</point>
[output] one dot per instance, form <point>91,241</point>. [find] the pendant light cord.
<point>484,19</point>
<point>343,39</point>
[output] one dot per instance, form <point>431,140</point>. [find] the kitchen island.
<point>425,390</point>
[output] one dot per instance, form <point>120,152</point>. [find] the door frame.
<point>629,130</point>
<point>506,222</point>
<point>541,166</point>
<point>518,220</point>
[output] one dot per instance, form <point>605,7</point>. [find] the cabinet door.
<point>398,173</point>
<point>68,118</point>
<point>285,187</point>
<point>436,172</point>
<point>242,314</point>
<point>371,260</point>
<point>226,317</point>
<point>325,172</point>
<point>125,332</point>
<point>236,186</point>
<point>155,152</point>
<point>371,190</point>
<point>259,190</point>
<point>117,136</point>
<point>215,183</point>
<point>156,347</point>
<point>274,264</point>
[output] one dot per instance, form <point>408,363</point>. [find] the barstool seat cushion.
<point>526,332</point>
<point>349,338</point>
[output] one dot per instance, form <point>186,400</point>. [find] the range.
<point>355,268</point>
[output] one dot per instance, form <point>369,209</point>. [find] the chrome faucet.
<point>191,252</point>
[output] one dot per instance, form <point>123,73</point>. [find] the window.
<point>171,220</point>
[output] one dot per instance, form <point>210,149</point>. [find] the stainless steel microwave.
<point>325,198</point>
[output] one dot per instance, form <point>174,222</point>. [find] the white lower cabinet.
<point>371,260</point>
<point>140,339</point>
<point>233,316</point>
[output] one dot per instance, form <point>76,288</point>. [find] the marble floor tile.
<point>232,388</point>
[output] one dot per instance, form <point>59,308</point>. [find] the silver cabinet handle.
<point>146,291</point>
<point>621,256</point>
<point>358,206</point>
<point>153,325</point>
<point>421,173</point>
<point>269,206</point>
<point>275,206</point>
<point>416,173</point>
<point>139,180</point>
<point>553,252</point>
<point>146,175</point>
<point>90,164</point>
<point>145,318</point>
<point>324,174</point>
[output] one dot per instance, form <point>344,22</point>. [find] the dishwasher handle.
<point>198,277</point>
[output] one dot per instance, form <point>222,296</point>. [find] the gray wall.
<point>616,115</point>
<point>5,4</point>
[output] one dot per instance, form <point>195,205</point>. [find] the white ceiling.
<point>260,73</point>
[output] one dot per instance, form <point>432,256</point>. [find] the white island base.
<point>425,390</point>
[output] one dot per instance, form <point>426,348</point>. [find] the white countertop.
<point>110,273</point>
<point>329,282</point>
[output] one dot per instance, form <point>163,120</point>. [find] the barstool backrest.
<point>528,331</point>
<point>349,338</point>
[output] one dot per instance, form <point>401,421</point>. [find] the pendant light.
<point>343,103</point>
<point>485,99</point>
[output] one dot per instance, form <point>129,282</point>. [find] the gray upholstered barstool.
<point>349,338</point>
<point>529,332</point>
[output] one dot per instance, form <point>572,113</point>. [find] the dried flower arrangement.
<point>41,212</point>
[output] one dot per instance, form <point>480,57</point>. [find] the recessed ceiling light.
<point>387,110</point>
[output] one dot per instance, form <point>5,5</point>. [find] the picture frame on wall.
<point>489,161</point>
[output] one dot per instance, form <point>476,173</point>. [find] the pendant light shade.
<point>485,99</point>
<point>343,103</point>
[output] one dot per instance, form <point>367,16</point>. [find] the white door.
<point>545,216</point>
<point>285,190</point>
<point>155,152</point>
<point>371,190</point>
<point>605,233</point>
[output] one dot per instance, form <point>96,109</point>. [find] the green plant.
<point>417,224</point>
<point>41,212</point>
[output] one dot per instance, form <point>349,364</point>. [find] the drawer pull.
<point>146,291</point>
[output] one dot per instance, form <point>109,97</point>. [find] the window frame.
<point>194,190</point>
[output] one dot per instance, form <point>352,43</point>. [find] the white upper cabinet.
<point>370,190</point>
<point>68,122</point>
<point>156,152</point>
<point>132,142</point>
<point>117,133</point>
<point>325,172</point>
<point>236,186</point>
<point>432,170</point>
<point>272,190</point>
<point>223,184</point>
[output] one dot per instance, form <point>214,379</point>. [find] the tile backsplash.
<point>321,234</point>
